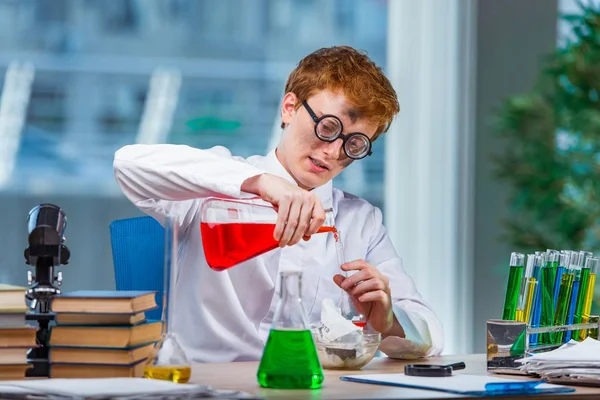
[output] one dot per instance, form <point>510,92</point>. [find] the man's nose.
<point>334,149</point>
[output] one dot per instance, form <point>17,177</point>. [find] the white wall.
<point>429,154</point>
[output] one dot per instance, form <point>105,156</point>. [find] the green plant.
<point>552,153</point>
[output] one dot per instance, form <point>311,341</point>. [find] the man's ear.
<point>288,107</point>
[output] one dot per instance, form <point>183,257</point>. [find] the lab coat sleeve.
<point>423,331</point>
<point>170,180</point>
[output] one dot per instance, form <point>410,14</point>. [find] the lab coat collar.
<point>324,192</point>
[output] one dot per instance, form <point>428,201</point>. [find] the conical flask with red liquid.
<point>234,231</point>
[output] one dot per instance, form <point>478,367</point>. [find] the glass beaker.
<point>168,361</point>
<point>234,231</point>
<point>290,360</point>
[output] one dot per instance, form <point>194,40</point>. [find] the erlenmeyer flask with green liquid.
<point>290,359</point>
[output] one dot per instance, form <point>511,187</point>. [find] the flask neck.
<point>291,285</point>
<point>290,313</point>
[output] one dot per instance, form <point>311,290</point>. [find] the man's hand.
<point>299,212</point>
<point>370,292</point>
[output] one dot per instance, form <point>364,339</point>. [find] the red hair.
<point>342,69</point>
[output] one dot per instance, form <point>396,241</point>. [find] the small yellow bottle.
<point>173,373</point>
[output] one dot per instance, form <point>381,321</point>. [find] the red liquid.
<point>360,324</point>
<point>226,245</point>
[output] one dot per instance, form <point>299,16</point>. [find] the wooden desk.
<point>242,376</point>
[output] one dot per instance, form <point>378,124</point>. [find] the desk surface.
<point>242,376</point>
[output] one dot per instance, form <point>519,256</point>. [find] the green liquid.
<point>290,361</point>
<point>554,267</point>
<point>518,347</point>
<point>585,277</point>
<point>547,317</point>
<point>562,304</point>
<point>512,293</point>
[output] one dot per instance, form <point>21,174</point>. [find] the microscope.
<point>46,225</point>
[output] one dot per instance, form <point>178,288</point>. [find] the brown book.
<point>86,355</point>
<point>105,336</point>
<point>104,301</point>
<point>13,372</point>
<point>17,336</point>
<point>97,371</point>
<point>12,298</point>
<point>13,355</point>
<point>12,318</point>
<point>99,319</point>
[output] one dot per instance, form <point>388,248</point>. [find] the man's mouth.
<point>319,163</point>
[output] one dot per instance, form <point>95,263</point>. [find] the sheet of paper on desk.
<point>114,388</point>
<point>459,383</point>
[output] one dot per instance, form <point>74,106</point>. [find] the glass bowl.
<point>335,355</point>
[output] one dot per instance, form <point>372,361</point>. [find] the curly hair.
<point>345,70</point>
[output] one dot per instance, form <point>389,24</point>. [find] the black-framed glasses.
<point>329,128</point>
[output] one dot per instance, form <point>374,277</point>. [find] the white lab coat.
<point>226,316</point>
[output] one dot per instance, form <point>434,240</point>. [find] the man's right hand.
<point>299,212</point>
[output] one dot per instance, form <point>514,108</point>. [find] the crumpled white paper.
<point>334,325</point>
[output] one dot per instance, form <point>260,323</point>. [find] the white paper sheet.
<point>119,388</point>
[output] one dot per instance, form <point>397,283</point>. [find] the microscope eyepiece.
<point>46,225</point>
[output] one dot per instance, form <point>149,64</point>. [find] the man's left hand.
<point>370,292</point>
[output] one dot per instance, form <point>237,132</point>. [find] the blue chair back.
<point>138,257</point>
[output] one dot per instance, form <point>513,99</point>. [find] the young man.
<point>337,102</point>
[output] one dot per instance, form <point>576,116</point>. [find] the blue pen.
<point>524,386</point>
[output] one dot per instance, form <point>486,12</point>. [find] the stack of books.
<point>102,334</point>
<point>16,337</point>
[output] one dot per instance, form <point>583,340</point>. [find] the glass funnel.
<point>168,361</point>
<point>290,359</point>
<point>234,231</point>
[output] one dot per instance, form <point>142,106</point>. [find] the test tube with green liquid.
<point>513,287</point>
<point>564,296</point>
<point>584,278</point>
<point>553,260</point>
<point>563,265</point>
<point>547,293</point>
<point>590,269</point>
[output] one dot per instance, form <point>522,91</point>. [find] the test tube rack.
<point>508,341</point>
